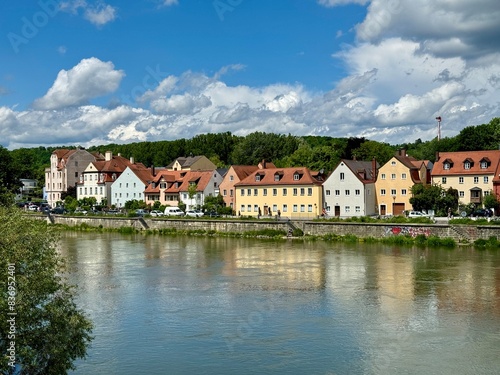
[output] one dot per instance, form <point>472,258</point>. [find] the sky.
<point>94,72</point>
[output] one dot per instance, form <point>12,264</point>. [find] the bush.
<point>297,232</point>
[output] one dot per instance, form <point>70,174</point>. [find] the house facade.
<point>66,167</point>
<point>98,176</point>
<point>395,180</point>
<point>130,185</point>
<point>235,174</point>
<point>350,189</point>
<point>474,174</point>
<point>172,187</point>
<point>295,193</point>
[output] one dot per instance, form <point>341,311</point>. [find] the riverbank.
<point>442,234</point>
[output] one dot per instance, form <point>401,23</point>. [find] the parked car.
<point>173,211</point>
<point>81,211</point>
<point>156,213</point>
<point>112,212</point>
<point>194,213</point>
<point>141,212</point>
<point>417,214</point>
<point>212,214</point>
<point>58,210</point>
<point>481,212</point>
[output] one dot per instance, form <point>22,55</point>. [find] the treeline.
<point>225,149</point>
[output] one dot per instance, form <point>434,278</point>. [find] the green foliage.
<point>135,204</point>
<point>491,201</point>
<point>297,232</point>
<point>51,332</point>
<point>433,197</point>
<point>382,152</point>
<point>213,203</point>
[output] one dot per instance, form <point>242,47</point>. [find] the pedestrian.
<point>279,214</point>
<point>449,212</point>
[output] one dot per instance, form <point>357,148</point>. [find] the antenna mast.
<point>439,127</point>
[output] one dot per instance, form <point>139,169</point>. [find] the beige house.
<point>191,163</point>
<point>395,180</point>
<point>473,173</point>
<point>295,193</point>
<point>66,168</point>
<point>234,175</point>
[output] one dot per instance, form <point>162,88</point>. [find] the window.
<point>347,209</point>
<point>446,166</point>
<point>242,208</point>
<point>486,193</point>
<point>467,165</point>
<point>461,194</point>
<point>231,192</point>
<point>357,209</point>
<point>393,163</point>
<point>393,176</point>
<point>224,193</point>
<point>257,177</point>
<point>285,208</point>
<point>403,191</point>
<point>302,191</point>
<point>101,189</point>
<point>255,192</point>
<point>256,208</point>
<point>309,191</point>
<point>403,176</point>
<point>81,191</point>
<point>347,192</point>
<point>328,208</point>
<point>276,177</point>
<point>249,192</point>
<point>275,208</point>
<point>264,192</point>
<point>476,180</point>
<point>484,164</point>
<point>357,192</point>
<point>242,192</point>
<point>485,179</point>
<point>382,192</point>
<point>249,207</point>
<point>76,174</point>
<point>328,192</point>
<point>275,193</point>
<point>284,192</point>
<point>302,208</point>
<point>294,191</point>
<point>460,180</point>
<point>231,178</point>
<point>342,176</point>
<point>295,208</point>
<point>393,192</point>
<point>337,193</point>
<point>309,208</point>
<point>443,180</point>
<point>85,191</point>
<point>296,177</point>
<point>382,176</point>
<point>90,177</point>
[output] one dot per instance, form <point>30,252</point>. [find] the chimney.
<point>109,155</point>
<point>132,161</point>
<point>153,172</point>
<point>354,157</point>
<point>374,169</point>
<point>437,157</point>
<point>263,163</point>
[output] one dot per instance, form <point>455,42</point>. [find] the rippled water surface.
<point>180,305</point>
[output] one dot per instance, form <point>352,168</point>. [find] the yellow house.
<point>395,180</point>
<point>287,192</point>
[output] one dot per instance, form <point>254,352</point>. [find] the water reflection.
<point>225,306</point>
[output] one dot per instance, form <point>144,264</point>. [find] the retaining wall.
<point>377,230</point>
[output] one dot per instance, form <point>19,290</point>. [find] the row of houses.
<point>354,188</point>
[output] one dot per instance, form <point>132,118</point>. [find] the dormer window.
<point>113,177</point>
<point>296,177</point>
<point>257,177</point>
<point>467,165</point>
<point>484,163</point>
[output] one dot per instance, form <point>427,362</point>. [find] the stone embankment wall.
<point>377,230</point>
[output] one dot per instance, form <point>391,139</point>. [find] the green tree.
<point>49,330</point>
<point>491,201</point>
<point>192,190</point>
<point>382,152</point>
<point>433,197</point>
<point>9,178</point>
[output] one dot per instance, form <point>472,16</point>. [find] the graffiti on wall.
<point>407,231</point>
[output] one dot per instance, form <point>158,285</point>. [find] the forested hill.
<point>224,149</point>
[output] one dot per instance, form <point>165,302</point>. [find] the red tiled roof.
<point>267,177</point>
<point>492,157</point>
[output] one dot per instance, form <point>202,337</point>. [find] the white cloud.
<point>168,3</point>
<point>98,13</point>
<point>333,3</point>
<point>89,79</point>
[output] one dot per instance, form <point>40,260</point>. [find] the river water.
<point>188,305</point>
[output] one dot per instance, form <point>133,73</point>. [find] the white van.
<point>173,211</point>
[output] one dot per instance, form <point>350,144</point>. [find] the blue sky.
<point>87,72</point>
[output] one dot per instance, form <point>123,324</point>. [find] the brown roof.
<point>183,178</point>
<point>243,171</point>
<point>363,170</point>
<point>143,173</point>
<point>307,177</point>
<point>457,159</point>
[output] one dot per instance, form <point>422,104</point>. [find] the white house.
<point>350,189</point>
<point>130,185</point>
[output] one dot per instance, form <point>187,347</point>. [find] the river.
<point>195,305</point>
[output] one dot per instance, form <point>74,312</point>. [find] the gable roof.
<point>182,178</point>
<point>457,159</point>
<point>363,170</point>
<point>307,177</point>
